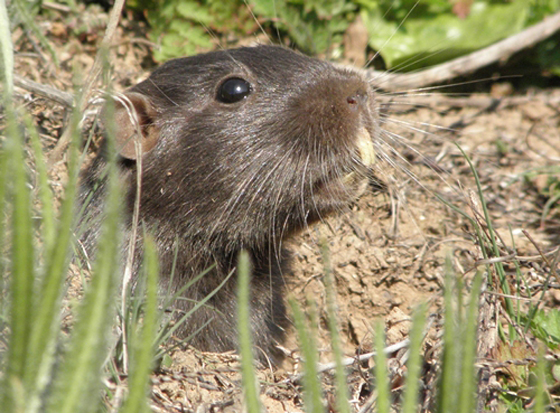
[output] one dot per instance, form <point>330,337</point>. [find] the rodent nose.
<point>356,100</point>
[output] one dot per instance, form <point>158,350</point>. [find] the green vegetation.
<point>250,384</point>
<point>41,356</point>
<point>429,32</point>
<point>408,34</point>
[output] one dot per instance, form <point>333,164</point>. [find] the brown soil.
<point>386,252</point>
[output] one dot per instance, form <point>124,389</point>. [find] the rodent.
<point>241,149</point>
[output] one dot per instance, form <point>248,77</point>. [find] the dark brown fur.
<point>218,177</point>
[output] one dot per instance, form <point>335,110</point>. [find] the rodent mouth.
<point>364,145</point>
<point>366,154</point>
<point>353,183</point>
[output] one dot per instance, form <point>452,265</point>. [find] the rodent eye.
<point>234,90</point>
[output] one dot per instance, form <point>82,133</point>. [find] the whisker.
<point>410,126</point>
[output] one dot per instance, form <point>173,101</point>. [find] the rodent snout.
<point>356,99</point>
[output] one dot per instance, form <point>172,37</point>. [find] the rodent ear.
<point>133,114</point>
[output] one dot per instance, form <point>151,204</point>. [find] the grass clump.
<point>43,368</point>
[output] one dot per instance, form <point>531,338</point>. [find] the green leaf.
<point>423,40</point>
<point>182,39</point>
<point>546,326</point>
<point>193,11</point>
<point>313,26</point>
<point>267,8</point>
<point>548,54</point>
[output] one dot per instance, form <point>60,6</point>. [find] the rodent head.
<point>242,146</point>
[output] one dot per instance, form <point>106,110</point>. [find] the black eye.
<point>234,90</point>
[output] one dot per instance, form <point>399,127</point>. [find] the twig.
<point>517,328</point>
<point>513,297</point>
<point>541,257</point>
<point>465,65</point>
<point>55,6</point>
<point>64,98</point>
<point>494,364</point>
<point>348,361</point>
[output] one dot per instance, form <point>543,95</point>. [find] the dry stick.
<point>93,76</point>
<point>55,6</point>
<point>462,66</point>
<point>64,98</point>
<point>348,361</point>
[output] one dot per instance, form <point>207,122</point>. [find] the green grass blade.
<point>250,384</point>
<point>22,253</point>
<point>381,376</point>
<point>6,52</point>
<point>76,389</point>
<point>165,334</point>
<point>57,242</point>
<point>311,384</point>
<point>540,405</point>
<point>142,359</point>
<point>493,241</point>
<point>448,381</point>
<point>414,365</point>
<point>45,194</point>
<point>3,213</point>
<point>340,373</point>
<point>467,395</point>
